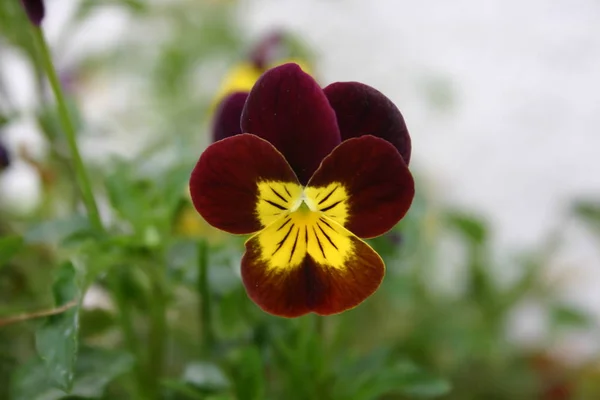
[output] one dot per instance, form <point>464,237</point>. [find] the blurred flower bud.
<point>35,10</point>
<point>267,50</point>
<point>4,157</point>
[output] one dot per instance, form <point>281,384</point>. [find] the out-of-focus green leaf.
<point>56,340</point>
<point>563,315</point>
<point>472,228</point>
<point>589,211</point>
<point>206,376</point>
<point>57,230</point>
<point>183,390</point>
<point>377,375</point>
<point>96,321</point>
<point>249,375</point>
<point>95,369</point>
<point>9,247</point>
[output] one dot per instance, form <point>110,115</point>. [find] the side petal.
<point>363,185</point>
<point>289,109</point>
<point>227,181</point>
<point>363,110</point>
<point>226,122</point>
<point>305,263</point>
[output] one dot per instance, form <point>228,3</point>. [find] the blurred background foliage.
<point>154,308</point>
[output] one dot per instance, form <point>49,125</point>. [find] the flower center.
<point>276,200</point>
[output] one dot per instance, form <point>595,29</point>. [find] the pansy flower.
<point>315,172</point>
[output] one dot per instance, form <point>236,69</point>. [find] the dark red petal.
<point>224,183</point>
<point>294,290</point>
<point>288,108</point>
<point>362,110</point>
<point>226,122</point>
<point>375,180</point>
<point>35,10</point>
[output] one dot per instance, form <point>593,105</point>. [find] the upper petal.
<point>364,185</point>
<point>228,179</point>
<point>227,117</point>
<point>362,110</point>
<point>289,109</point>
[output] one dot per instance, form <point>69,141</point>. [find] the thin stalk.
<point>157,337</point>
<point>205,299</point>
<point>126,321</point>
<point>66,121</point>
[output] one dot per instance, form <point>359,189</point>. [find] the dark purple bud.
<point>35,10</point>
<point>266,50</point>
<point>226,122</point>
<point>395,238</point>
<point>4,157</point>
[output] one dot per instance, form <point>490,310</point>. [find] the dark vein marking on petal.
<point>327,236</point>
<point>328,196</point>
<point>278,195</point>
<point>331,206</point>
<point>306,235</point>
<point>287,191</point>
<point>294,246</point>
<point>319,243</point>
<point>326,223</point>
<point>287,221</point>
<point>276,205</point>
<point>280,244</point>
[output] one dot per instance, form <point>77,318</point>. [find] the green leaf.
<point>470,227</point>
<point>372,377</point>
<point>249,376</point>
<point>206,376</point>
<point>9,247</point>
<point>589,211</point>
<point>564,315</point>
<point>95,369</point>
<point>57,230</point>
<point>416,383</point>
<point>56,340</point>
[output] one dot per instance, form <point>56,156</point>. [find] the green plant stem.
<point>66,121</point>
<point>205,299</point>
<point>126,319</point>
<point>156,340</point>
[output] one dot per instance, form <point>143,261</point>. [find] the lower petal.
<point>296,266</point>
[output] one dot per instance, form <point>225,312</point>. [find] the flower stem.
<point>205,298</point>
<point>66,121</point>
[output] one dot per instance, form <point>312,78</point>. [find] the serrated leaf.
<point>56,341</point>
<point>95,369</point>
<point>9,247</point>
